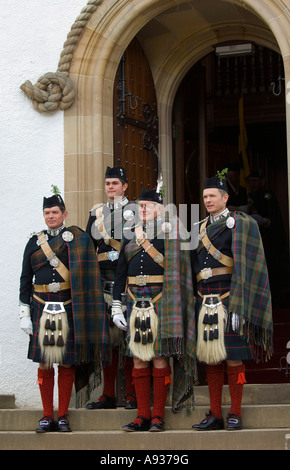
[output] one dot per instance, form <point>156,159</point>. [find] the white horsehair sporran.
<point>211,327</point>
<point>53,331</point>
<point>143,329</point>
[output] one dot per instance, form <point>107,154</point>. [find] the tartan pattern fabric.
<point>178,326</point>
<point>250,295</point>
<point>176,313</point>
<point>91,328</point>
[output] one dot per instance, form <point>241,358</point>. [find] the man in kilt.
<point>62,310</point>
<point>232,282</point>
<point>160,312</point>
<point>105,226</point>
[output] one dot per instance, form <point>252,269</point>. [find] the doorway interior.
<point>206,129</point>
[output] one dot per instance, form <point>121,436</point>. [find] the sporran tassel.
<point>60,341</point>
<point>47,323</point>
<point>137,337</point>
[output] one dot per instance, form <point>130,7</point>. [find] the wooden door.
<point>136,121</point>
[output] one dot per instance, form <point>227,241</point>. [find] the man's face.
<point>214,201</point>
<point>54,217</point>
<point>115,188</point>
<point>148,210</point>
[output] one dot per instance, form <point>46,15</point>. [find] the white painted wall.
<point>32,34</point>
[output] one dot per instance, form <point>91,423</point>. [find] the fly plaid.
<point>250,295</point>
<point>177,314</point>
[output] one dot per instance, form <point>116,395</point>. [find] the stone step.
<point>265,412</point>
<point>252,394</point>
<point>186,441</point>
<point>254,417</point>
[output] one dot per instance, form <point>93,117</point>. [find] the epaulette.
<point>97,206</point>
<point>35,234</point>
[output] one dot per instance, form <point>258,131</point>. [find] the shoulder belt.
<point>223,259</point>
<point>101,227</point>
<point>148,247</point>
<point>61,268</point>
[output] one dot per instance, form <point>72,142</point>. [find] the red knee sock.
<point>161,380</point>
<point>109,375</point>
<point>142,383</point>
<point>215,380</point>
<point>46,385</point>
<point>66,377</point>
<point>128,367</point>
<point>236,380</point>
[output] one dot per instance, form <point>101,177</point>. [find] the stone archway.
<point>88,124</point>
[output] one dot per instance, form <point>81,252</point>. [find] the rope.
<point>55,91</point>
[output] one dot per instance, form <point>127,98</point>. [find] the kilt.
<point>237,346</point>
<point>34,351</point>
<point>148,292</point>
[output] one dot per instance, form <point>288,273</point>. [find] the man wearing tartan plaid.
<point>232,282</point>
<point>61,309</point>
<point>105,226</point>
<point>160,312</point>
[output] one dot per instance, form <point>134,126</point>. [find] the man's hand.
<point>25,320</point>
<point>118,316</point>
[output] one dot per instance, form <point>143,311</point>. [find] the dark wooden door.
<point>136,121</point>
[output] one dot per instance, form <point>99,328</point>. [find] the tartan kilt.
<point>237,347</point>
<point>34,351</point>
<point>149,292</point>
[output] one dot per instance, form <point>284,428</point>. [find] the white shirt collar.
<point>221,215</point>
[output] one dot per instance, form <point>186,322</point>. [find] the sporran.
<point>143,329</point>
<point>53,331</point>
<point>211,326</point>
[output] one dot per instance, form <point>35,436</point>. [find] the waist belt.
<point>44,302</point>
<point>206,273</point>
<point>52,287</point>
<point>142,280</point>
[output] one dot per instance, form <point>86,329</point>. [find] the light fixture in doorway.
<point>273,85</point>
<point>234,50</point>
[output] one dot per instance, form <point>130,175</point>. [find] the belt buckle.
<point>113,255</point>
<point>141,280</point>
<point>206,273</point>
<point>54,287</point>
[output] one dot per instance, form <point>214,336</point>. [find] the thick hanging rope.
<point>55,91</point>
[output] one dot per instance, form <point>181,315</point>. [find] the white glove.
<point>25,320</point>
<point>118,316</point>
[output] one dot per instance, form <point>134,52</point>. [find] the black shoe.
<point>131,403</point>
<point>106,404</point>
<point>46,424</point>
<point>137,426</point>
<point>156,426</point>
<point>62,424</point>
<point>234,422</point>
<point>210,423</point>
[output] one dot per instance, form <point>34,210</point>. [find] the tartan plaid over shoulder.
<point>250,295</point>
<point>90,321</point>
<point>178,327</point>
